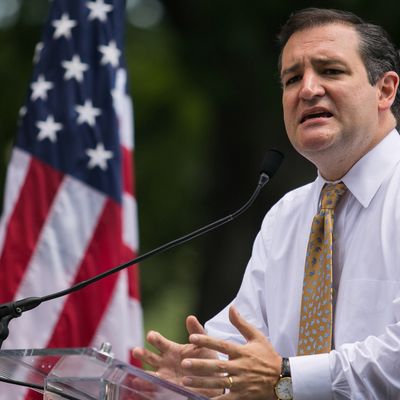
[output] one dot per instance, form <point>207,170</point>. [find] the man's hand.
<point>253,368</point>
<point>167,363</point>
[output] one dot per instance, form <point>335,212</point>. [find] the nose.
<point>311,86</point>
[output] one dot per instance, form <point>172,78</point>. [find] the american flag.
<point>69,206</point>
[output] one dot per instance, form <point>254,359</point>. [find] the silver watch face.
<point>284,389</point>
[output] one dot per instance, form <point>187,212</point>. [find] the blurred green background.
<point>207,102</point>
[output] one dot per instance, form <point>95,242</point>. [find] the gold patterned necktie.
<point>315,334</point>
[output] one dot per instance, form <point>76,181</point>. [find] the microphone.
<point>8,311</point>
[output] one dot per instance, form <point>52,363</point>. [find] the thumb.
<point>248,331</point>
<point>193,325</point>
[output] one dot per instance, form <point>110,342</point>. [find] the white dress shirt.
<point>366,361</point>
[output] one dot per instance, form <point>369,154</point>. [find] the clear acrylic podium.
<point>85,374</point>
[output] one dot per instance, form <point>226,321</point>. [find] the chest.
<point>366,266</point>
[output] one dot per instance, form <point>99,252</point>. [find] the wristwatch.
<point>283,388</point>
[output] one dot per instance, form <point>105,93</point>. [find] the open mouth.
<point>322,114</point>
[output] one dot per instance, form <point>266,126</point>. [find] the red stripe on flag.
<point>135,361</point>
<point>127,171</point>
<point>84,309</point>
<point>133,274</point>
<point>129,185</point>
<point>26,222</point>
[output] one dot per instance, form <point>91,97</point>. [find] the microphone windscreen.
<point>272,161</point>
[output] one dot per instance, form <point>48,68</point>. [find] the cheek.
<point>288,109</point>
<point>358,101</point>
<point>287,120</point>
<point>360,112</point>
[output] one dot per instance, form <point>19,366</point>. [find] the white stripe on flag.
<point>136,314</point>
<point>57,256</point>
<point>129,215</point>
<point>124,109</point>
<point>123,317</point>
<point>11,392</point>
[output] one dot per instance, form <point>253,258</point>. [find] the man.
<point>340,78</point>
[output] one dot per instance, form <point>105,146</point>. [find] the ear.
<point>387,86</point>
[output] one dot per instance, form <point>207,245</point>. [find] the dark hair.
<point>377,50</point>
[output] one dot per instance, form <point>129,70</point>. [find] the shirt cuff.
<point>311,378</point>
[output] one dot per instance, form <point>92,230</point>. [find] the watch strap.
<point>285,368</point>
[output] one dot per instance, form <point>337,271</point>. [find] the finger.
<point>147,356</point>
<point>140,385</point>
<point>226,396</point>
<point>248,331</point>
<point>205,367</point>
<point>193,325</point>
<point>160,342</point>
<point>207,383</point>
<point>222,397</point>
<point>231,349</point>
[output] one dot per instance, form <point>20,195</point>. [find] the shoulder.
<point>289,214</point>
<point>292,202</point>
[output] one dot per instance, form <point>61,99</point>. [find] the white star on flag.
<point>40,88</point>
<point>98,157</point>
<point>63,26</point>
<point>48,129</point>
<point>22,112</point>
<point>74,68</point>
<point>38,50</point>
<point>87,113</point>
<point>110,54</point>
<point>98,10</point>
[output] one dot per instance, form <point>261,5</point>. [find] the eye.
<point>332,71</point>
<point>292,80</point>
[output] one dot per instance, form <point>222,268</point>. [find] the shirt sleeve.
<point>311,377</point>
<point>368,369</point>
<point>247,302</point>
<point>250,299</point>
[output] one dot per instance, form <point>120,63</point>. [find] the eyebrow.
<point>321,62</point>
<point>289,70</point>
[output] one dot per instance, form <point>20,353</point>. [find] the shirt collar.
<point>367,174</point>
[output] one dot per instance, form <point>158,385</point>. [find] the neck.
<point>335,165</point>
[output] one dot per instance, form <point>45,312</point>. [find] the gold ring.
<point>230,379</point>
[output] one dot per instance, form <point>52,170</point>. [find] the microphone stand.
<point>14,309</point>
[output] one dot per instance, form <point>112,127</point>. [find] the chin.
<point>315,141</point>
<point>315,150</point>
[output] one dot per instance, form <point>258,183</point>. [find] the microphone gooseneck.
<point>8,311</point>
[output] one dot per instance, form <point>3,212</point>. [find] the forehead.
<point>338,41</point>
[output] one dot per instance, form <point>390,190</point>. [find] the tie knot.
<point>331,194</point>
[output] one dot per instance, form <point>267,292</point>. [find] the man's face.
<point>330,108</point>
